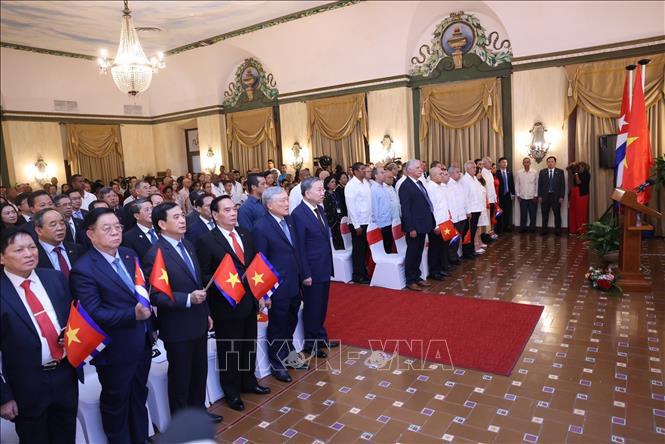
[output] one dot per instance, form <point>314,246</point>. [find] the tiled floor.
<point>592,371</point>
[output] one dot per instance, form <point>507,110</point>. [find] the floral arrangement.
<point>603,278</point>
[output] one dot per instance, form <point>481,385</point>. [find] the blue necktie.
<point>152,235</point>
<point>421,187</point>
<point>505,182</point>
<point>188,261</point>
<point>211,224</point>
<point>285,229</point>
<point>123,274</point>
<point>551,176</point>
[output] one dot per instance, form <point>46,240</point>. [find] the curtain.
<point>251,139</point>
<point>462,121</point>
<point>338,127</point>
<point>95,151</point>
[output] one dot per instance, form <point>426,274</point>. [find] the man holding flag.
<point>437,255</point>
<point>184,321</point>
<point>103,281</point>
<point>224,254</point>
<point>38,387</point>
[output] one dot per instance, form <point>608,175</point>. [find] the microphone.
<point>648,183</point>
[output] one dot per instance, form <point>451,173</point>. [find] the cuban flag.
<point>622,136</point>
<point>139,285</point>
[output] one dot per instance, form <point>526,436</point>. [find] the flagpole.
<point>630,69</point>
<point>644,63</point>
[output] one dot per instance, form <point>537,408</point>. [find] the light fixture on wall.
<point>131,69</point>
<point>41,171</point>
<point>388,149</point>
<point>539,145</point>
<point>211,164</point>
<point>297,160</point>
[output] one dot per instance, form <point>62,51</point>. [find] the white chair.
<point>262,361</point>
<point>214,390</point>
<point>8,433</point>
<point>400,243</point>
<point>299,334</point>
<point>158,388</point>
<point>389,270</point>
<point>342,262</point>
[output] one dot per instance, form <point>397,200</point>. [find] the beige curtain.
<point>462,121</point>
<point>338,127</point>
<point>251,139</point>
<point>95,151</point>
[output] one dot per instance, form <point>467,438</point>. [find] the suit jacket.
<point>137,241</point>
<point>110,303</point>
<point>313,243</point>
<point>20,342</point>
<point>211,249</point>
<point>74,252</point>
<point>511,182</point>
<point>558,185</point>
<point>416,212</point>
<point>71,237</point>
<point>195,228</point>
<point>22,220</point>
<point>270,240</point>
<point>176,321</point>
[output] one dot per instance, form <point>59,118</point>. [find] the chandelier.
<point>131,70</point>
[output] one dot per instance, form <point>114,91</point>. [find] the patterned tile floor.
<point>591,372</point>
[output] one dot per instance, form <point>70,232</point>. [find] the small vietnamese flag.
<point>467,237</point>
<point>448,231</point>
<point>227,280</point>
<point>263,279</point>
<point>83,337</point>
<point>159,278</point>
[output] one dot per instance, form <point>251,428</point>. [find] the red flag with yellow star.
<point>227,280</point>
<point>448,231</point>
<point>159,278</point>
<point>83,337</point>
<point>262,278</point>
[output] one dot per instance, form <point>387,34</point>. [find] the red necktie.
<point>62,262</point>
<point>237,248</point>
<point>45,325</point>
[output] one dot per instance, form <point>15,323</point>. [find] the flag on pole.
<point>139,285</point>
<point>159,278</point>
<point>622,136</point>
<point>227,280</point>
<point>639,158</point>
<point>262,278</point>
<point>448,232</point>
<point>83,337</point>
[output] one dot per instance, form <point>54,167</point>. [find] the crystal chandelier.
<point>131,69</point>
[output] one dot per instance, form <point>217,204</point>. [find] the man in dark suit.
<point>74,226</point>
<point>38,386</point>
<point>314,249</point>
<point>275,236</point>
<point>199,221</point>
<point>103,280</point>
<point>76,196</point>
<point>143,235</point>
<point>183,320</point>
<point>506,195</point>
<point>54,251</point>
<point>551,191</point>
<point>235,327</point>
<point>417,222</point>
<point>24,213</point>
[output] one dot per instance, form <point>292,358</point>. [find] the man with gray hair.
<point>417,222</point>
<point>54,251</point>
<point>454,195</point>
<point>381,207</point>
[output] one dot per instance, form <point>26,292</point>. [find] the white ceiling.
<point>85,27</point>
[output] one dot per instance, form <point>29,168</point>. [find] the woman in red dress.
<point>578,198</point>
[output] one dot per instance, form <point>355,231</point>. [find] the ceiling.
<point>85,27</point>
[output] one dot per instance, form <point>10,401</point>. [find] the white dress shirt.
<point>129,200</point>
<point>207,223</point>
<point>38,289</point>
<point>358,196</point>
<point>227,235</point>
<point>454,195</point>
<point>295,197</point>
<point>526,184</point>
<point>238,195</point>
<point>88,198</point>
<point>489,184</point>
<point>474,193</point>
<point>53,256</point>
<point>439,203</point>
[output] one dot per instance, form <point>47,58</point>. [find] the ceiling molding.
<point>53,52</point>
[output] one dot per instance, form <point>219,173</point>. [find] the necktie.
<point>211,224</point>
<point>421,187</point>
<point>62,262</point>
<point>72,227</point>
<point>123,274</point>
<point>152,235</point>
<point>318,216</point>
<point>188,261</point>
<point>78,214</point>
<point>237,248</point>
<point>46,326</point>
<point>550,181</point>
<point>505,182</point>
<point>285,229</point>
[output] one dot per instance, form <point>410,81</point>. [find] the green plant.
<point>603,237</point>
<point>659,170</point>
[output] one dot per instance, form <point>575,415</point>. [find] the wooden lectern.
<point>631,278</point>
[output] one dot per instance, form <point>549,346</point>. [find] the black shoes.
<point>319,353</point>
<point>215,418</point>
<point>282,375</point>
<point>236,404</point>
<point>258,390</point>
<point>332,344</point>
<point>363,281</point>
<point>301,366</point>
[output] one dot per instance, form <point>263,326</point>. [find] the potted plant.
<point>602,237</point>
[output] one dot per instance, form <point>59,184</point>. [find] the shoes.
<point>319,353</point>
<point>414,287</point>
<point>258,390</point>
<point>215,418</point>
<point>481,251</point>
<point>455,261</point>
<point>557,233</point>
<point>236,404</point>
<point>331,344</point>
<point>424,284</point>
<point>363,281</point>
<point>436,276</point>
<point>282,375</point>
<point>469,256</point>
<point>483,245</point>
<point>302,366</point>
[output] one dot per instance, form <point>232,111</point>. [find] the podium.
<point>632,279</point>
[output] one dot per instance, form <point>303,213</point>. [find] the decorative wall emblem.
<point>251,84</point>
<point>457,35</point>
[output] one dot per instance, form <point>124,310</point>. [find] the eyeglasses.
<point>107,229</point>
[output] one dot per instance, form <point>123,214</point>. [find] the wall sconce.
<point>388,150</point>
<point>297,161</point>
<point>211,164</point>
<point>539,145</point>
<point>41,171</point>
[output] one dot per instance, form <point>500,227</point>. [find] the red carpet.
<point>480,334</point>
